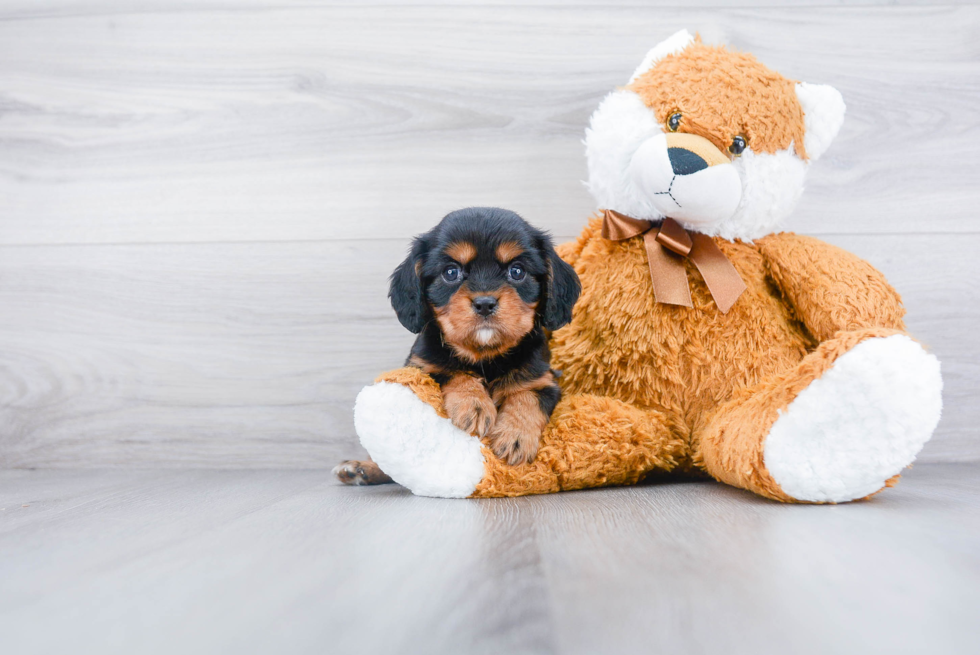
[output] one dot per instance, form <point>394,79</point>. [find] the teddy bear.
<point>705,340</point>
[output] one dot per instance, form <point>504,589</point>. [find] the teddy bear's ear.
<point>823,114</point>
<point>674,44</point>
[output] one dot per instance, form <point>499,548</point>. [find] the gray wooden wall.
<point>200,201</point>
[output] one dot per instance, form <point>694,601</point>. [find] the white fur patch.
<point>771,186</point>
<point>616,130</point>
<point>485,335</point>
<point>420,450</point>
<point>859,424</point>
<point>823,114</point>
<point>670,46</point>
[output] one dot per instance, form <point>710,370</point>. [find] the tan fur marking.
<point>501,391</point>
<point>468,404</point>
<point>460,323</point>
<point>508,251</point>
<point>517,430</point>
<point>462,251</point>
<point>737,96</point>
<point>420,363</point>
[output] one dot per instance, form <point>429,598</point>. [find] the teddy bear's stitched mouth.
<point>668,191</point>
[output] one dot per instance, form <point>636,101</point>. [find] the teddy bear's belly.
<point>682,361</point>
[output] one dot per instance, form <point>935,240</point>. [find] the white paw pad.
<point>415,446</point>
<point>859,424</point>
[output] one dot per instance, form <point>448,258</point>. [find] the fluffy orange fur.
<point>722,94</point>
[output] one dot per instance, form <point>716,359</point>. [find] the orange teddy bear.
<point>703,340</point>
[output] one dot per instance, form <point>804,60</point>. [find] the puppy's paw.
<point>469,405</point>
<point>515,440</point>
<point>472,414</point>
<point>360,473</point>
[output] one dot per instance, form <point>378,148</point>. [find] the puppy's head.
<point>487,278</point>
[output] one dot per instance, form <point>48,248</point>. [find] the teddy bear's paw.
<point>415,446</point>
<point>859,424</point>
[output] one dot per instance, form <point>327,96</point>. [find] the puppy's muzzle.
<point>484,305</point>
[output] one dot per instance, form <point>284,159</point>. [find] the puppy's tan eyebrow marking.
<point>508,251</point>
<point>462,251</point>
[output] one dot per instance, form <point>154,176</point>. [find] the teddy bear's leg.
<point>591,441</point>
<point>401,422</point>
<point>840,426</point>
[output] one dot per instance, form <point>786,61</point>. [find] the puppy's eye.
<point>674,122</point>
<point>516,272</point>
<point>738,145</point>
<point>451,273</point>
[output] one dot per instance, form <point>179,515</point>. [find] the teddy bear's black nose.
<point>484,305</point>
<point>685,162</point>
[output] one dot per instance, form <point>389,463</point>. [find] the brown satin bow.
<point>666,247</point>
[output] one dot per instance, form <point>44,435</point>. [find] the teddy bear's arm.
<point>829,288</point>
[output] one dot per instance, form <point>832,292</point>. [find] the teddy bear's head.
<point>709,137</point>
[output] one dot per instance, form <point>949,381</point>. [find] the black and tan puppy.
<point>482,289</point>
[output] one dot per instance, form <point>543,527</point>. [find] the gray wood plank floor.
<point>291,562</point>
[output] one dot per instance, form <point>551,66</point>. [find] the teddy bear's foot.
<point>418,448</point>
<point>839,427</point>
<point>858,425</point>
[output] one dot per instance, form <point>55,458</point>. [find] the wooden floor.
<point>291,562</point>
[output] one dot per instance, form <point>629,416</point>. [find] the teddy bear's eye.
<point>674,122</point>
<point>738,145</point>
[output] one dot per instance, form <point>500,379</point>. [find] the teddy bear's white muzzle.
<point>687,178</point>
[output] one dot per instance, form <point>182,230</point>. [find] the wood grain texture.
<point>286,561</point>
<point>250,355</point>
<point>26,9</point>
<point>200,202</point>
<point>306,122</point>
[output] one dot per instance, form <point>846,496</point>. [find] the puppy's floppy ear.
<point>407,292</point>
<point>562,288</point>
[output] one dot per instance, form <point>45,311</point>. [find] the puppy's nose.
<point>485,305</point>
<point>685,162</point>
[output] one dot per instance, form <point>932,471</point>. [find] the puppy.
<point>483,289</point>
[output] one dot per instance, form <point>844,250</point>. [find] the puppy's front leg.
<point>517,433</point>
<point>468,404</point>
